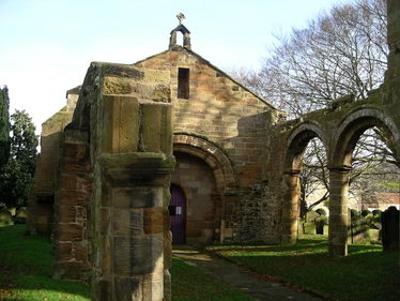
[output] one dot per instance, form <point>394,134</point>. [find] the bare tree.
<point>341,53</point>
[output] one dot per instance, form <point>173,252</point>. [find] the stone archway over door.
<point>177,214</point>
<point>217,180</point>
<point>197,189</point>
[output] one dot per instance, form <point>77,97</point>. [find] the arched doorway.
<point>177,213</point>
<point>202,208</point>
<point>206,175</point>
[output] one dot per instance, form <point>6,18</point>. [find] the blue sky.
<point>47,45</point>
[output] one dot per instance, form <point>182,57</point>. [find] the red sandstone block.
<point>68,182</point>
<point>76,152</point>
<point>76,167</point>
<point>66,214</point>
<point>72,270</point>
<point>69,232</point>
<point>80,253</point>
<point>63,251</point>
<point>73,198</point>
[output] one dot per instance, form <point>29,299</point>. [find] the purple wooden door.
<point>177,214</point>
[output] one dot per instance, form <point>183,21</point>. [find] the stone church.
<point>171,149</point>
<point>221,131</point>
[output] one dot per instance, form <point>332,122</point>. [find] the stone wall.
<point>220,113</point>
<point>41,201</point>
<point>71,207</point>
<point>239,123</point>
<point>113,188</point>
<point>219,109</point>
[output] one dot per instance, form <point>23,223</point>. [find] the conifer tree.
<point>4,127</point>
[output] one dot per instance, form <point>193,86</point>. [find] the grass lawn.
<point>188,284</point>
<point>366,274</point>
<point>26,267</point>
<point>25,270</point>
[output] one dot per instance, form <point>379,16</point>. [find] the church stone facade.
<point>173,150</point>
<point>221,132</point>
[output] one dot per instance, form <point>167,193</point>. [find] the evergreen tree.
<point>23,141</point>
<point>16,176</point>
<point>4,127</point>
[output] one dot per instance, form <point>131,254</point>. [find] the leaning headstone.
<point>390,229</point>
<point>320,222</point>
<point>5,217</point>
<point>12,210</point>
<point>21,215</point>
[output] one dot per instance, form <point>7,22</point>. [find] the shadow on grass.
<point>366,274</point>
<point>26,264</point>
<point>316,243</point>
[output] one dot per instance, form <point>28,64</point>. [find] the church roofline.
<point>215,68</point>
<point>182,28</point>
<point>75,90</point>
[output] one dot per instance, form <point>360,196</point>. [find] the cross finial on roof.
<point>180,17</point>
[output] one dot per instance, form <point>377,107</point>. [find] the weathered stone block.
<point>102,290</point>
<point>66,214</point>
<point>121,221</point>
<point>145,252</point>
<point>153,285</point>
<point>80,252</point>
<point>156,127</point>
<point>71,270</point>
<point>76,152</point>
<point>153,220</point>
<point>73,198</point>
<point>121,124</point>
<point>140,197</point>
<point>136,222</point>
<point>63,251</point>
<point>122,255</point>
<point>69,232</point>
<point>123,289</point>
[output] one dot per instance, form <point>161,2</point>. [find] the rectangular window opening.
<point>183,83</point>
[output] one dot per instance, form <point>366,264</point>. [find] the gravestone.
<point>390,229</point>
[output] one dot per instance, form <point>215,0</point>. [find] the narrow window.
<point>183,83</point>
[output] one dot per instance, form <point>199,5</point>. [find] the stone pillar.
<point>132,243</point>
<point>172,40</point>
<point>392,75</point>
<point>393,14</point>
<point>291,206</point>
<point>186,40</point>
<point>338,210</point>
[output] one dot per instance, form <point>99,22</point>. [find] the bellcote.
<point>183,30</point>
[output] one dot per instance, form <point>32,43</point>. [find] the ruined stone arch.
<point>350,128</point>
<point>215,158</point>
<point>298,140</point>
<point>296,144</point>
<point>353,125</point>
